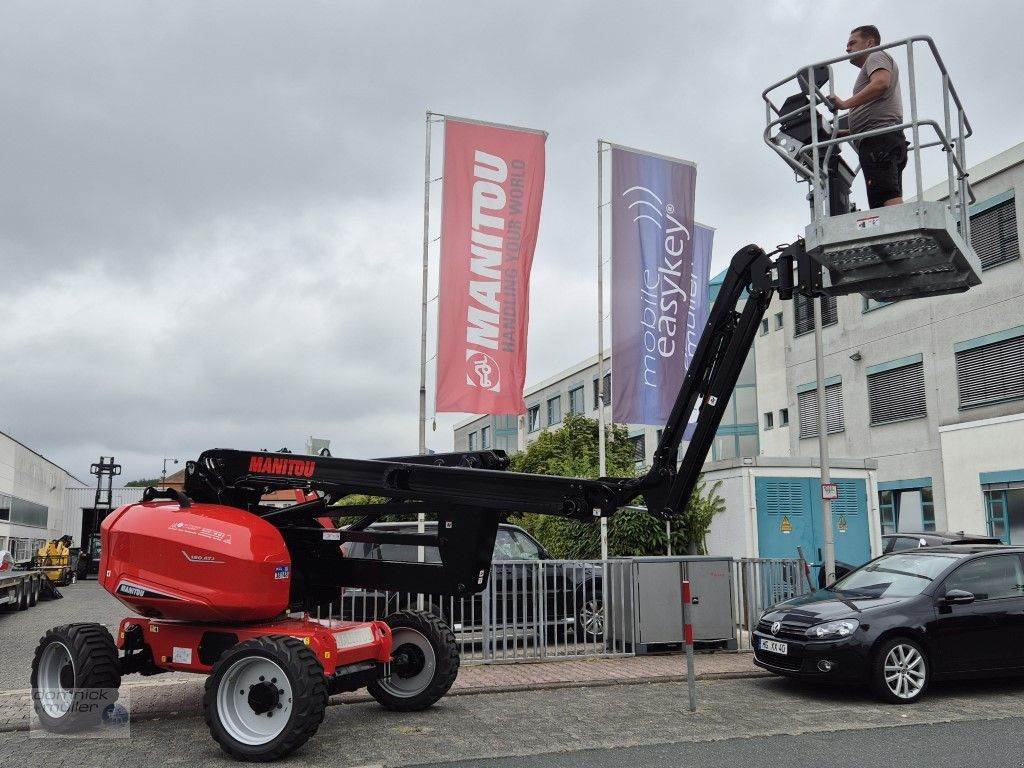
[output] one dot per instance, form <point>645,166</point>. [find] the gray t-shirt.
<point>887,109</point>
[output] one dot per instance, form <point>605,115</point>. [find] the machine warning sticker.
<point>869,222</point>
<point>181,655</point>
<point>785,526</point>
<point>842,524</point>
<point>282,572</point>
<point>332,535</point>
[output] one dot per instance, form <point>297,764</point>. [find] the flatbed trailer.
<point>20,589</point>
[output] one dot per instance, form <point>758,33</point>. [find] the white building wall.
<point>970,448</point>
<point>28,475</point>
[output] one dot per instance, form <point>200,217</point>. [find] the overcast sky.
<point>211,213</point>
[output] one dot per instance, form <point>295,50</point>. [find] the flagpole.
<point>423,308</point>
<point>421,518</point>
<point>602,468</point>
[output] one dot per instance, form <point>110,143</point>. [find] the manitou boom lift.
<point>227,586</point>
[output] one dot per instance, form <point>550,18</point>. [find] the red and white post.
<point>688,644</point>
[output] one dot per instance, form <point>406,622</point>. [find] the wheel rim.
<point>254,700</point>
<point>413,675</point>
<point>592,617</point>
<point>904,671</point>
<point>55,681</point>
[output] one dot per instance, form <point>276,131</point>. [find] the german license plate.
<point>773,646</point>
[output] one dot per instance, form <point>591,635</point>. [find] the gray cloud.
<point>210,213</point>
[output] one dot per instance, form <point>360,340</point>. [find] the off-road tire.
<point>446,664</point>
<point>877,681</point>
<point>95,663</point>
<point>309,696</point>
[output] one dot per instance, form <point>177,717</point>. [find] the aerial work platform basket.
<point>917,249</point>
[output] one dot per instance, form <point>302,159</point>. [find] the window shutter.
<point>994,234</point>
<point>784,496</point>
<point>897,394</point>
<point>807,403</point>
<point>803,314</point>
<point>992,373</point>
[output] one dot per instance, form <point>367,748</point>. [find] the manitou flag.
<point>493,185</point>
<point>652,282</point>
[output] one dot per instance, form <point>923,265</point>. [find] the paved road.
<point>978,744</point>
<point>21,630</point>
<point>628,721</point>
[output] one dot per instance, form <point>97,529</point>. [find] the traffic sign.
<point>829,491</point>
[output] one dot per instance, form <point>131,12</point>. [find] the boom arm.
<point>468,492</point>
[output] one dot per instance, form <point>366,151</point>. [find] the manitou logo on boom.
<point>487,241</point>
<point>272,465</point>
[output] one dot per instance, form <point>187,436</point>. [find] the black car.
<point>902,620</point>
<point>897,542</point>
<point>528,588</point>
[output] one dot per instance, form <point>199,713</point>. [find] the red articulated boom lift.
<point>227,587</point>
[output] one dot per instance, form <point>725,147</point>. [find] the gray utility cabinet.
<point>654,601</point>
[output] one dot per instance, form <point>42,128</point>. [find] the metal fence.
<point>541,610</point>
<point>758,584</point>
<point>531,610</point>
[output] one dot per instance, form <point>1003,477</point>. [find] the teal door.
<point>784,517</point>
<point>789,515</point>
<point>995,513</point>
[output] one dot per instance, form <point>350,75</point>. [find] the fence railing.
<point>531,610</point>
<point>758,584</point>
<point>542,610</point>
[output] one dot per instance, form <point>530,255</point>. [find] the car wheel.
<point>900,671</point>
<point>590,616</point>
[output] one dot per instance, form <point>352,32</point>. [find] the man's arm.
<point>877,85</point>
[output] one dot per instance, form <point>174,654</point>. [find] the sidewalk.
<point>154,698</point>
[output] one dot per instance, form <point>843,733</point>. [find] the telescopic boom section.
<point>468,492</point>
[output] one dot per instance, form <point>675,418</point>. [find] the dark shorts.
<point>882,160</point>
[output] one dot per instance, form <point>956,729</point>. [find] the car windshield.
<point>898,575</point>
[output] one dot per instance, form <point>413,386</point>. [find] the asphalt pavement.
<point>619,725</point>
<point>978,744</point>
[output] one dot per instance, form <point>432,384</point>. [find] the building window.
<point>994,234</point>
<point>576,400</point>
<point>803,314</point>
<point>778,321</point>
<point>607,390</point>
<point>554,410</point>
<point>991,373</point>
<point>769,420</point>
<point>485,438</point>
<point>533,418</point>
<point>887,511</point>
<point>639,449</point>
<point>21,549</point>
<point>471,442</point>
<point>783,417</point>
<point>897,394</point>
<point>927,509</point>
<point>27,512</point>
<point>871,304</point>
<point>807,405</point>
<point>764,327</point>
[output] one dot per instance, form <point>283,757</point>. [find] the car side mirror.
<point>958,597</point>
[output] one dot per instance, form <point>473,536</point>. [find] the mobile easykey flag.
<point>490,213</point>
<point>653,282</point>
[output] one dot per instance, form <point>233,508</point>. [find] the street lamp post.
<point>163,473</point>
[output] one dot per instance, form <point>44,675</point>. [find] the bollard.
<point>688,645</point>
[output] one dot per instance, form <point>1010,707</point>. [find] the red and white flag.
<point>493,186</point>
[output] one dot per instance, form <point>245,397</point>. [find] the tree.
<point>143,483</point>
<point>571,451</point>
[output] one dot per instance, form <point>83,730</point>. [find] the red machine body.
<point>201,563</point>
<point>187,647</point>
